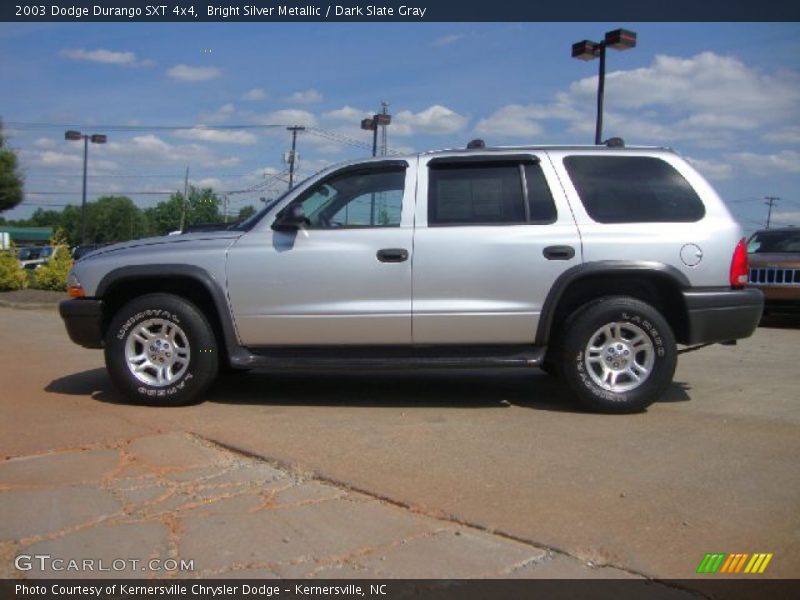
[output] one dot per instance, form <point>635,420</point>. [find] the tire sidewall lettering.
<point>143,315</point>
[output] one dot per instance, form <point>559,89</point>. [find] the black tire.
<point>631,362</point>
<point>179,360</point>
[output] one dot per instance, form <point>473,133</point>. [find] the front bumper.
<point>722,315</point>
<point>83,318</point>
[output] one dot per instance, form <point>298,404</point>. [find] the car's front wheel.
<point>619,355</point>
<point>161,350</point>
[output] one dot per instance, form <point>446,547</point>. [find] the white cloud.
<point>515,120</point>
<point>347,113</point>
<point>223,113</point>
<point>787,161</point>
<point>310,96</point>
<point>786,135</point>
<point>151,149</point>
<point>787,217</point>
<point>255,94</point>
<point>187,73</point>
<point>220,136</point>
<point>207,182</point>
<point>435,119</point>
<point>108,57</point>
<point>708,100</point>
<point>44,143</point>
<point>68,160</point>
<point>712,169</point>
<point>289,116</point>
<point>704,96</point>
<point>447,40</point>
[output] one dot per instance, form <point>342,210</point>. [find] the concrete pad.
<point>62,468</point>
<point>565,567</point>
<point>307,492</point>
<point>116,544</point>
<point>328,529</point>
<point>452,554</point>
<point>29,513</point>
<point>175,451</point>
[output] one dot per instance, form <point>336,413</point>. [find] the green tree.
<point>246,211</point>
<point>202,207</point>
<point>53,274</point>
<point>112,219</point>
<point>12,276</point>
<point>10,176</point>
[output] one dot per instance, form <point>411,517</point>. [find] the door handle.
<point>393,255</point>
<point>558,252</point>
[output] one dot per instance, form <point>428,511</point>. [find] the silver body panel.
<point>485,283</point>
<point>460,285</point>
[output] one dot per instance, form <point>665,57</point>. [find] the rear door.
<point>492,235</point>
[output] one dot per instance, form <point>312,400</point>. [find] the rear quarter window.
<point>633,189</point>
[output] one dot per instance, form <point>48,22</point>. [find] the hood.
<point>183,238</point>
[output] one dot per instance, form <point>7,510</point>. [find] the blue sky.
<point>725,95</point>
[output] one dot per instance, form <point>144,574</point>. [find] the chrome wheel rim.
<point>157,352</point>
<point>619,357</point>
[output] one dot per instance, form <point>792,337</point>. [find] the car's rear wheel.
<point>619,355</point>
<point>161,350</point>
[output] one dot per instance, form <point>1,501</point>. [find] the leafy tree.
<point>12,276</point>
<point>202,207</point>
<point>246,211</point>
<point>112,219</point>
<point>10,177</point>
<point>53,274</point>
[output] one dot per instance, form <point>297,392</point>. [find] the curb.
<point>28,305</point>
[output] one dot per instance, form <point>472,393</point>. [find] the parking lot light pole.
<point>95,138</point>
<point>619,39</point>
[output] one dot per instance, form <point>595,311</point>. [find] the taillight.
<point>739,267</point>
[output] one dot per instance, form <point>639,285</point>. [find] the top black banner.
<point>408,11</point>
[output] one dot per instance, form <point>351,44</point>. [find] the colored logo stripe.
<point>710,563</point>
<point>734,563</point>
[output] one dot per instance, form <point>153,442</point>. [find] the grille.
<point>775,276</point>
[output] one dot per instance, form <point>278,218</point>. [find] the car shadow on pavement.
<point>457,389</point>
<point>780,321</point>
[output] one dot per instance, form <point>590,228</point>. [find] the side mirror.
<point>291,218</point>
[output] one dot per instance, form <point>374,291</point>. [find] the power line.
<point>21,125</point>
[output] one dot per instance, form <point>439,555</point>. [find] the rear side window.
<point>633,189</point>
<point>491,193</point>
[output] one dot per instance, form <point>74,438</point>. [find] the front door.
<point>342,279</point>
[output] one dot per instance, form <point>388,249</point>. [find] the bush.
<point>53,275</point>
<point>12,276</point>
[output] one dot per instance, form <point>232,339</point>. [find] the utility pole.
<point>770,201</point>
<point>185,198</point>
<point>293,154</point>
<point>225,207</point>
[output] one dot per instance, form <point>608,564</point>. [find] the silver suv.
<point>592,263</point>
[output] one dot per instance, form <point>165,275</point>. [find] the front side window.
<point>352,199</point>
<point>496,192</point>
<point>633,189</point>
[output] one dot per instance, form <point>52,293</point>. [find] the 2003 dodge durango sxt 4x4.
<point>592,263</point>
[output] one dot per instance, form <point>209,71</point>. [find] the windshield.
<point>765,242</point>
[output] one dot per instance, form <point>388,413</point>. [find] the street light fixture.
<point>371,124</point>
<point>619,39</point>
<point>95,138</point>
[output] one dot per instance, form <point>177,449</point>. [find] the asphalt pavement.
<point>439,474</point>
